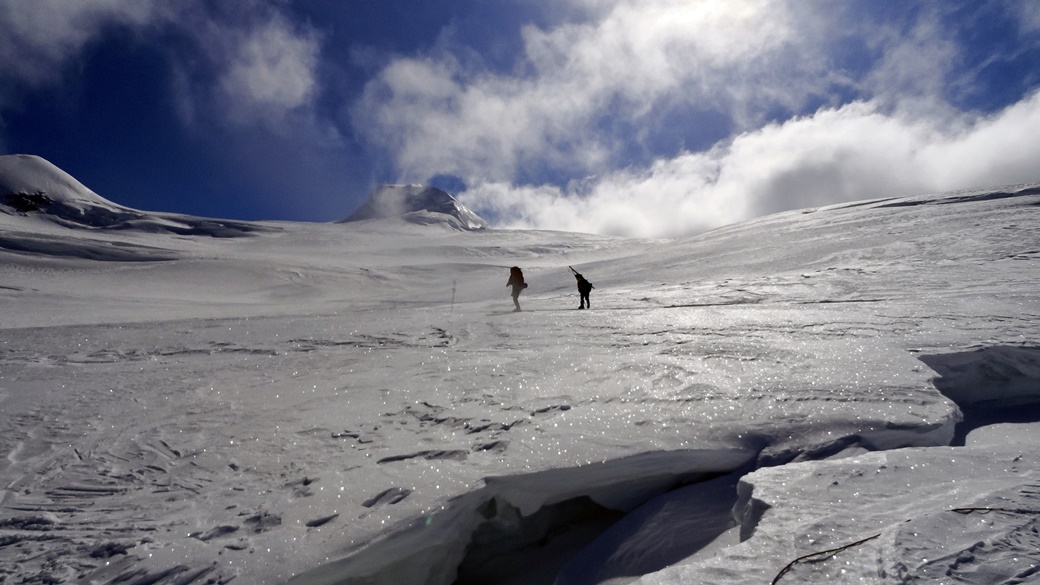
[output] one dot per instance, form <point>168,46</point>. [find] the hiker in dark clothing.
<point>516,280</point>
<point>584,288</point>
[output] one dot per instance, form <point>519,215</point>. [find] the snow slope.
<point>355,402</point>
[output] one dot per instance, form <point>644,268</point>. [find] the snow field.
<point>191,401</point>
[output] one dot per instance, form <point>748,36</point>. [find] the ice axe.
<point>579,275</point>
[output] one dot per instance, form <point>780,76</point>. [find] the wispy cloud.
<point>269,69</point>
<point>41,36</point>
<point>914,63</point>
<point>1028,16</point>
<point>824,108</point>
<point>263,64</point>
<point>437,115</point>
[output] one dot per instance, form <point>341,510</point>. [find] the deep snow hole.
<point>508,547</point>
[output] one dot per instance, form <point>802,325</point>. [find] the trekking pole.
<point>453,297</point>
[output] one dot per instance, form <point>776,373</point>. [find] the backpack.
<point>516,276</point>
<point>584,286</point>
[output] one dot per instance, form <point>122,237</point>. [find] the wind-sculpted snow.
<point>356,403</point>
<point>989,376</point>
<point>936,515</point>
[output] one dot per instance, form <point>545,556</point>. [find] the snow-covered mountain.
<point>30,184</point>
<point>417,204</point>
<point>33,186</point>
<point>846,394</point>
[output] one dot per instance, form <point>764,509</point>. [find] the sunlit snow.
<point>189,400</point>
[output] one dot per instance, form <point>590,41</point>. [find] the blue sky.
<point>652,118</point>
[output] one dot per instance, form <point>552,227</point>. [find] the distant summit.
<point>417,204</point>
<point>32,186</point>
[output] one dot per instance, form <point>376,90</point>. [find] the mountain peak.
<point>33,186</point>
<point>32,183</point>
<point>417,204</point>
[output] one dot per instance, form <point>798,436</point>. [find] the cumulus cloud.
<point>851,153</point>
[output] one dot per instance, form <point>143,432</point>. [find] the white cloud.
<point>885,127</point>
<point>914,66</point>
<point>629,61</point>
<point>996,150</point>
<point>852,153</point>
<point>40,36</point>
<point>438,117</point>
<point>265,64</point>
<point>270,70</point>
<point>1028,14</point>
